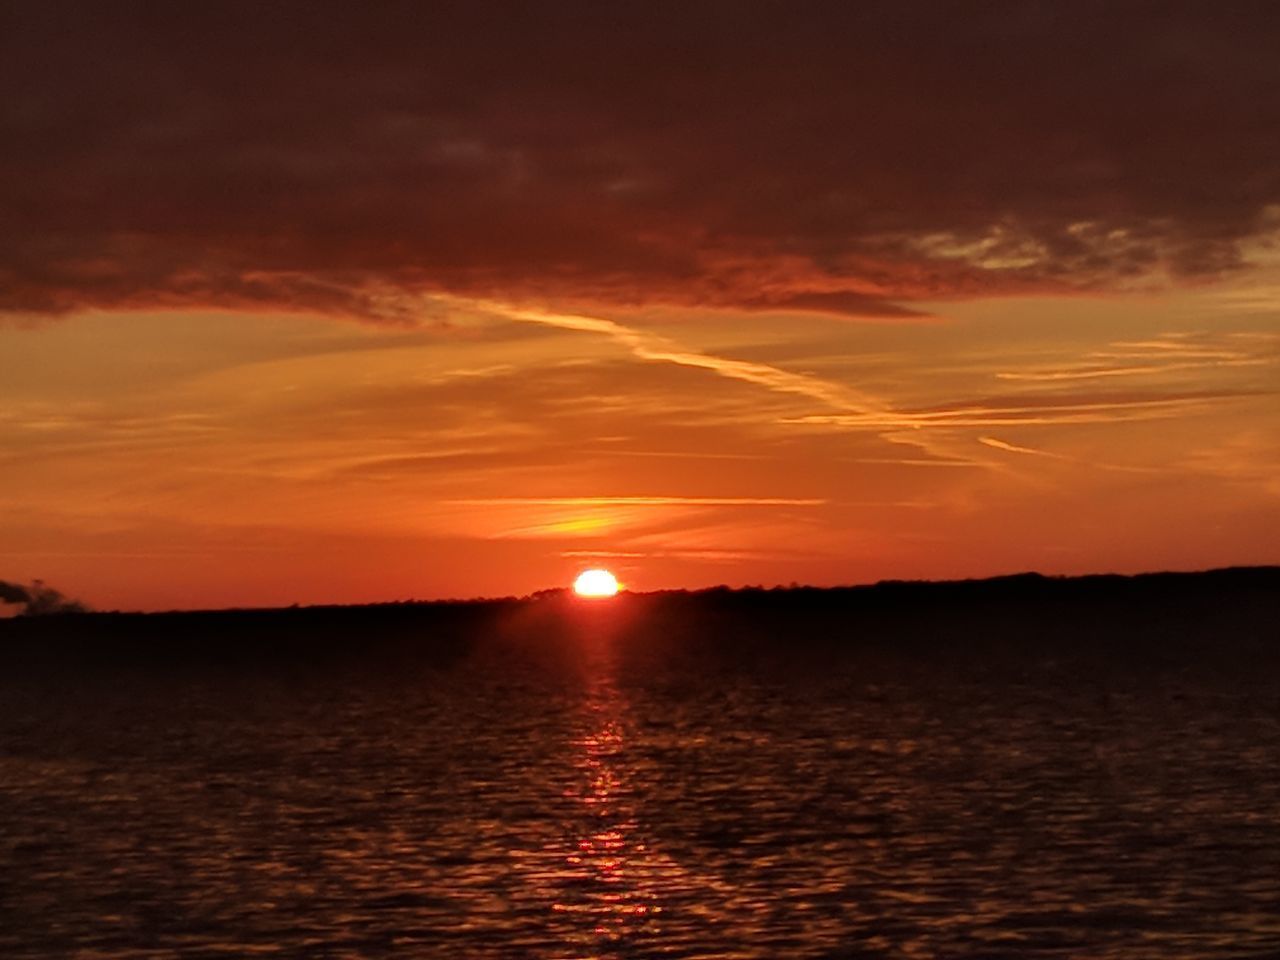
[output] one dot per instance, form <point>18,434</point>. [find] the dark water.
<point>595,801</point>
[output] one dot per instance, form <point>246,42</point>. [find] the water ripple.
<point>611,805</point>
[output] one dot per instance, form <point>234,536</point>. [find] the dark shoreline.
<point>1230,612</point>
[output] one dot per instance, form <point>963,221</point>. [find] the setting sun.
<point>595,583</point>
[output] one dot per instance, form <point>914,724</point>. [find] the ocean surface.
<point>594,798</point>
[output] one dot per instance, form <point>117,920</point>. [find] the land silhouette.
<point>1216,618</point>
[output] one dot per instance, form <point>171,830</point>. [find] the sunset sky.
<point>340,303</point>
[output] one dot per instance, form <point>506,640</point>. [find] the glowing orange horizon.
<point>195,500</point>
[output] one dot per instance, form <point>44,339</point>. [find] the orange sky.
<point>161,460</point>
<point>424,344</point>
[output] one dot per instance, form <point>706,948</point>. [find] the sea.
<point>602,797</point>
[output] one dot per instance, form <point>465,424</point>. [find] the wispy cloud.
<point>688,454</point>
<point>642,501</point>
<point>1050,455</point>
<point>648,346</point>
<point>1015,448</point>
<point>703,556</point>
<point>1095,372</point>
<point>604,554</point>
<point>915,462</point>
<point>1037,414</point>
<point>1245,456</point>
<point>1174,352</point>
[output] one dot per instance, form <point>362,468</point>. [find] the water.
<point>596,799</point>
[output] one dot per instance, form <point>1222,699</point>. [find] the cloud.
<point>1050,455</point>
<point>1168,353</point>
<point>917,462</point>
<point>689,455</point>
<point>1097,372</point>
<point>851,160</point>
<point>1034,410</point>
<point>38,599</point>
<point>648,346</point>
<point>643,502</point>
<point>1015,448</point>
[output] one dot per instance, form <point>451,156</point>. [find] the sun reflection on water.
<point>616,873</point>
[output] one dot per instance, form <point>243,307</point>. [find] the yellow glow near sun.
<point>595,583</point>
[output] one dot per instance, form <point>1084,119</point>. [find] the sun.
<point>595,583</point>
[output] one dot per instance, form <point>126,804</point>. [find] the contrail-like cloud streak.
<point>647,346</point>
<point>997,444</point>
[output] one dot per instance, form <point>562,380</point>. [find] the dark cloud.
<point>38,599</point>
<point>828,156</point>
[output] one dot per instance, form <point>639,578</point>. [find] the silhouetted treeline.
<point>1220,619</point>
<point>1222,615</point>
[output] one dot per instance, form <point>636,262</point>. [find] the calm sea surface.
<point>590,799</point>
